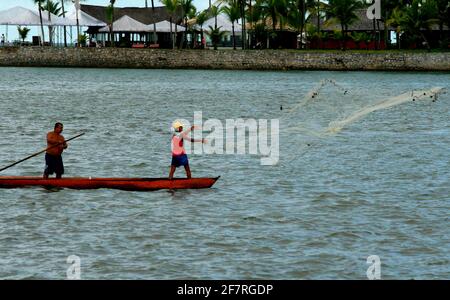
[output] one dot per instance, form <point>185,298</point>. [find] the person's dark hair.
<point>58,124</point>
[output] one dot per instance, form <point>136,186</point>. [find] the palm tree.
<point>52,8</point>
<point>359,37</point>
<point>249,16</point>
<point>277,11</point>
<point>214,11</point>
<point>296,16</point>
<point>414,18</point>
<point>258,23</point>
<point>443,7</point>
<point>316,7</point>
<point>233,12</point>
<point>387,10</point>
<point>187,8</point>
<point>63,14</point>
<point>344,12</point>
<point>242,4</point>
<point>201,19</point>
<point>192,15</point>
<point>110,14</point>
<point>171,6</point>
<point>23,32</point>
<point>110,20</point>
<point>39,4</point>
<point>374,28</point>
<point>216,35</point>
<point>395,19</point>
<point>155,37</point>
<point>375,25</point>
<point>64,28</point>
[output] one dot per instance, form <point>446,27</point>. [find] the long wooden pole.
<point>36,154</point>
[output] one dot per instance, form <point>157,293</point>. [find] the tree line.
<point>265,20</point>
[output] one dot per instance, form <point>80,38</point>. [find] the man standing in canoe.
<point>179,157</point>
<point>53,156</point>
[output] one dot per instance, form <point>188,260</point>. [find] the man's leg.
<point>188,171</point>
<point>59,169</point>
<point>45,176</point>
<point>172,170</point>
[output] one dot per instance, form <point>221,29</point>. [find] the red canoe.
<point>129,184</point>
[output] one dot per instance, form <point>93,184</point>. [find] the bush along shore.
<point>224,59</point>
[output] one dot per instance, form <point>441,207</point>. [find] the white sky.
<point>5,4</point>
<point>11,31</point>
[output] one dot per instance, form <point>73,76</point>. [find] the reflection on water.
<point>378,187</point>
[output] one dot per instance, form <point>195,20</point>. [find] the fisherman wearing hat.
<point>179,157</point>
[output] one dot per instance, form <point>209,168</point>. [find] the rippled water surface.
<point>380,186</point>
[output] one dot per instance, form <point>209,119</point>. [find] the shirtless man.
<point>53,158</point>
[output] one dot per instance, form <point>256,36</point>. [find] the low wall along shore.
<point>223,59</point>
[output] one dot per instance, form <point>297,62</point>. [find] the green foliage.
<point>171,5</point>
<point>192,13</point>
<point>295,15</point>
<point>214,11</point>
<point>260,33</point>
<point>410,17</point>
<point>337,34</point>
<point>201,18</point>
<point>109,13</point>
<point>413,19</point>
<point>313,34</point>
<point>53,7</point>
<point>311,30</point>
<point>216,35</point>
<point>39,3</point>
<point>344,11</point>
<point>23,32</point>
<point>187,6</point>
<point>82,38</point>
<point>232,11</point>
<point>361,37</point>
<point>276,10</point>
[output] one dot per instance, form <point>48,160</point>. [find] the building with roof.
<point>126,18</point>
<point>373,30</point>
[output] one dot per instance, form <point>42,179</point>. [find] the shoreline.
<point>269,60</point>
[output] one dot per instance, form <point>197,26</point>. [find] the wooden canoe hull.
<point>129,184</point>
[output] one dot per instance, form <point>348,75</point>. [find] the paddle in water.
<point>40,152</point>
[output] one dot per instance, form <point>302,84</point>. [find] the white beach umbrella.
<point>126,24</point>
<point>27,17</point>
<point>224,23</point>
<point>22,16</point>
<point>84,19</point>
<point>164,26</point>
<point>58,21</point>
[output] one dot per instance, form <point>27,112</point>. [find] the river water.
<point>377,186</point>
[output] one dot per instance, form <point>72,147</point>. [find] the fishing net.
<point>329,107</point>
